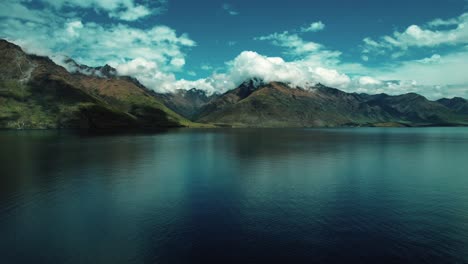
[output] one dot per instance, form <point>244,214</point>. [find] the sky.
<point>372,46</point>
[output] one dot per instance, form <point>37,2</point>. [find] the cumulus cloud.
<point>438,74</point>
<point>155,54</point>
<point>295,44</point>
<point>368,81</point>
<point>251,65</point>
<point>314,27</point>
<point>152,55</point>
<point>432,34</point>
<point>159,44</point>
<point>436,70</point>
<point>132,14</point>
<point>434,76</point>
<point>303,74</point>
<point>138,66</point>
<point>296,47</point>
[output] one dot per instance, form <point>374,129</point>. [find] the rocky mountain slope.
<point>278,105</point>
<point>35,93</point>
<point>187,102</point>
<point>457,104</point>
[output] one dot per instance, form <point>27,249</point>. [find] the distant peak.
<point>458,99</point>
<point>196,91</point>
<point>100,71</point>
<point>253,82</point>
<point>107,70</point>
<point>415,96</point>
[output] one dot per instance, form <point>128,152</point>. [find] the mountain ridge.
<point>37,93</point>
<point>278,105</point>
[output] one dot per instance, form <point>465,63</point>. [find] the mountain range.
<point>36,93</point>
<point>277,105</point>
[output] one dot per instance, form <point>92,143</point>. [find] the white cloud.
<point>432,92</point>
<point>429,35</point>
<point>301,73</point>
<point>433,59</point>
<point>98,43</point>
<point>132,14</point>
<point>435,76</point>
<point>151,55</point>
<point>73,27</point>
<point>295,44</point>
<point>249,65</point>
<point>127,10</point>
<point>314,27</point>
<point>230,10</point>
<point>296,47</point>
<point>368,81</point>
<point>443,70</point>
<point>135,67</point>
<point>178,62</point>
<point>440,22</point>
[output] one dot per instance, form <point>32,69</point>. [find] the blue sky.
<point>359,46</point>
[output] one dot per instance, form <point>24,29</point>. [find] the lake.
<point>365,195</point>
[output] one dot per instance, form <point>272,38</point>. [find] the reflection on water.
<point>239,195</point>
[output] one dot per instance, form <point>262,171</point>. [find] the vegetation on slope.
<point>35,93</point>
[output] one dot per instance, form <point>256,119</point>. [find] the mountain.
<point>278,105</point>
<point>457,104</point>
<point>128,95</point>
<point>103,71</point>
<point>187,102</point>
<point>36,93</point>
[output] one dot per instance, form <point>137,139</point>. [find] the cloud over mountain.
<point>427,57</point>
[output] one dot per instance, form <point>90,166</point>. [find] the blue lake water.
<point>365,195</point>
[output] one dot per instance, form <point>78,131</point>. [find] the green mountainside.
<point>277,105</point>
<point>35,93</point>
